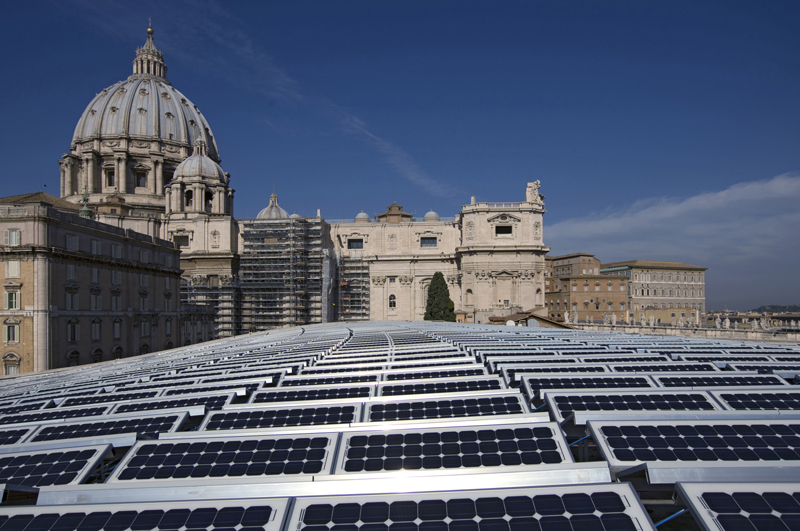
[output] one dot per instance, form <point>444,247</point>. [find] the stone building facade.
<point>660,285</point>
<point>78,291</point>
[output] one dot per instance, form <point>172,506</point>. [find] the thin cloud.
<point>236,58</point>
<point>735,232</point>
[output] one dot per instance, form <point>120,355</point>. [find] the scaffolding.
<point>281,273</point>
<point>353,287</point>
<point>219,296</point>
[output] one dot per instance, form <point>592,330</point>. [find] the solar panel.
<point>148,425</point>
<point>451,373</point>
<point>440,386</point>
<point>534,386</point>
<point>745,400</point>
<point>328,380</point>
<point>513,374</point>
<point>702,449</point>
<point>564,404</point>
<point>211,402</point>
<point>743,506</point>
<point>475,447</point>
<point>54,414</point>
<point>446,408</point>
<point>261,514</point>
<point>50,467</point>
<point>663,367</point>
<point>227,457</point>
<point>279,417</point>
<point>333,392</point>
<point>14,436</point>
<point>717,380</point>
<point>99,399</point>
<point>611,507</point>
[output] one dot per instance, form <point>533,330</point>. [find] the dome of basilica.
<point>273,211</point>
<point>145,108</point>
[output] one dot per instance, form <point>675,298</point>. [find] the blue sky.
<point>659,130</point>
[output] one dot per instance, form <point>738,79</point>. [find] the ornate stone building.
<point>491,255</point>
<point>146,158</point>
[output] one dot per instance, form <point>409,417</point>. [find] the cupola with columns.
<point>199,186</point>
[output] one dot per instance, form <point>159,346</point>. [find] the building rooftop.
<point>652,264</point>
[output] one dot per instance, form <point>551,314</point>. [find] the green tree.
<point>439,306</point>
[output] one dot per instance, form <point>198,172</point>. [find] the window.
<point>12,269</point>
<point>392,301</point>
<point>72,272</point>
<point>168,260</point>
<point>109,177</point>
<point>574,287</point>
<point>96,330</point>
<point>355,243</point>
<point>143,303</point>
<point>597,287</point>
<point>181,241</point>
<point>11,364</point>
<point>116,278</point>
<point>116,251</point>
<point>392,280</point>
<point>116,303</point>
<point>144,257</point>
<point>428,241</point>
<point>117,329</point>
<point>141,179</point>
<point>73,243</point>
<point>11,300</point>
<point>12,237</point>
<point>167,284</point>
<point>167,304</point>
<point>73,332</point>
<point>72,301</point>
<point>95,275</point>
<point>11,333</point>
<point>97,247</point>
<point>97,302</point>
<point>585,287</point>
<point>145,328</point>
<point>502,230</point>
<point>144,280</point>
<point>168,327</point>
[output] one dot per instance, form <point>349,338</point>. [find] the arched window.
<point>11,364</point>
<point>73,358</point>
<point>144,348</point>
<point>168,345</point>
<point>468,301</point>
<point>116,352</point>
<point>97,355</point>
<point>392,301</point>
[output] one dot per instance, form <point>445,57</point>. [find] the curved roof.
<point>199,166</point>
<point>273,211</point>
<point>431,216</point>
<point>145,107</point>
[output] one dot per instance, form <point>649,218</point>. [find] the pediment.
<point>504,218</point>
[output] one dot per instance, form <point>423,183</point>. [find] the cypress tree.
<point>439,306</point>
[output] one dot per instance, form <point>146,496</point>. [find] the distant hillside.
<point>778,308</point>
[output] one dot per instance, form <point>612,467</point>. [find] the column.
<point>90,167</point>
<point>41,320</point>
<point>68,176</point>
<point>122,174</point>
<point>167,200</point>
<point>159,176</point>
<point>63,181</point>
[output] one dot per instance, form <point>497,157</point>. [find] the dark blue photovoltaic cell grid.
<point>329,380</point>
<point>667,367</point>
<point>54,414</point>
<point>445,408</point>
<point>515,373</point>
<point>599,382</point>
<point>250,519</point>
<point>633,402</point>
<point>211,402</point>
<point>250,457</point>
<point>719,381</point>
<point>148,427</point>
<point>601,511</point>
<point>440,387</point>
<point>99,399</point>
<point>274,375</point>
<point>762,400</point>
<point>751,511</point>
<point>454,373</point>
<point>249,387</point>
<point>12,436</point>
<point>452,449</point>
<point>274,418</point>
<point>43,469</point>
<point>311,394</point>
<point>12,410</point>
<point>704,442</point>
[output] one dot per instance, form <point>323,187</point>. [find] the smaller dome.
<point>199,166</point>
<point>294,216</point>
<point>362,217</point>
<point>431,216</point>
<point>273,211</point>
